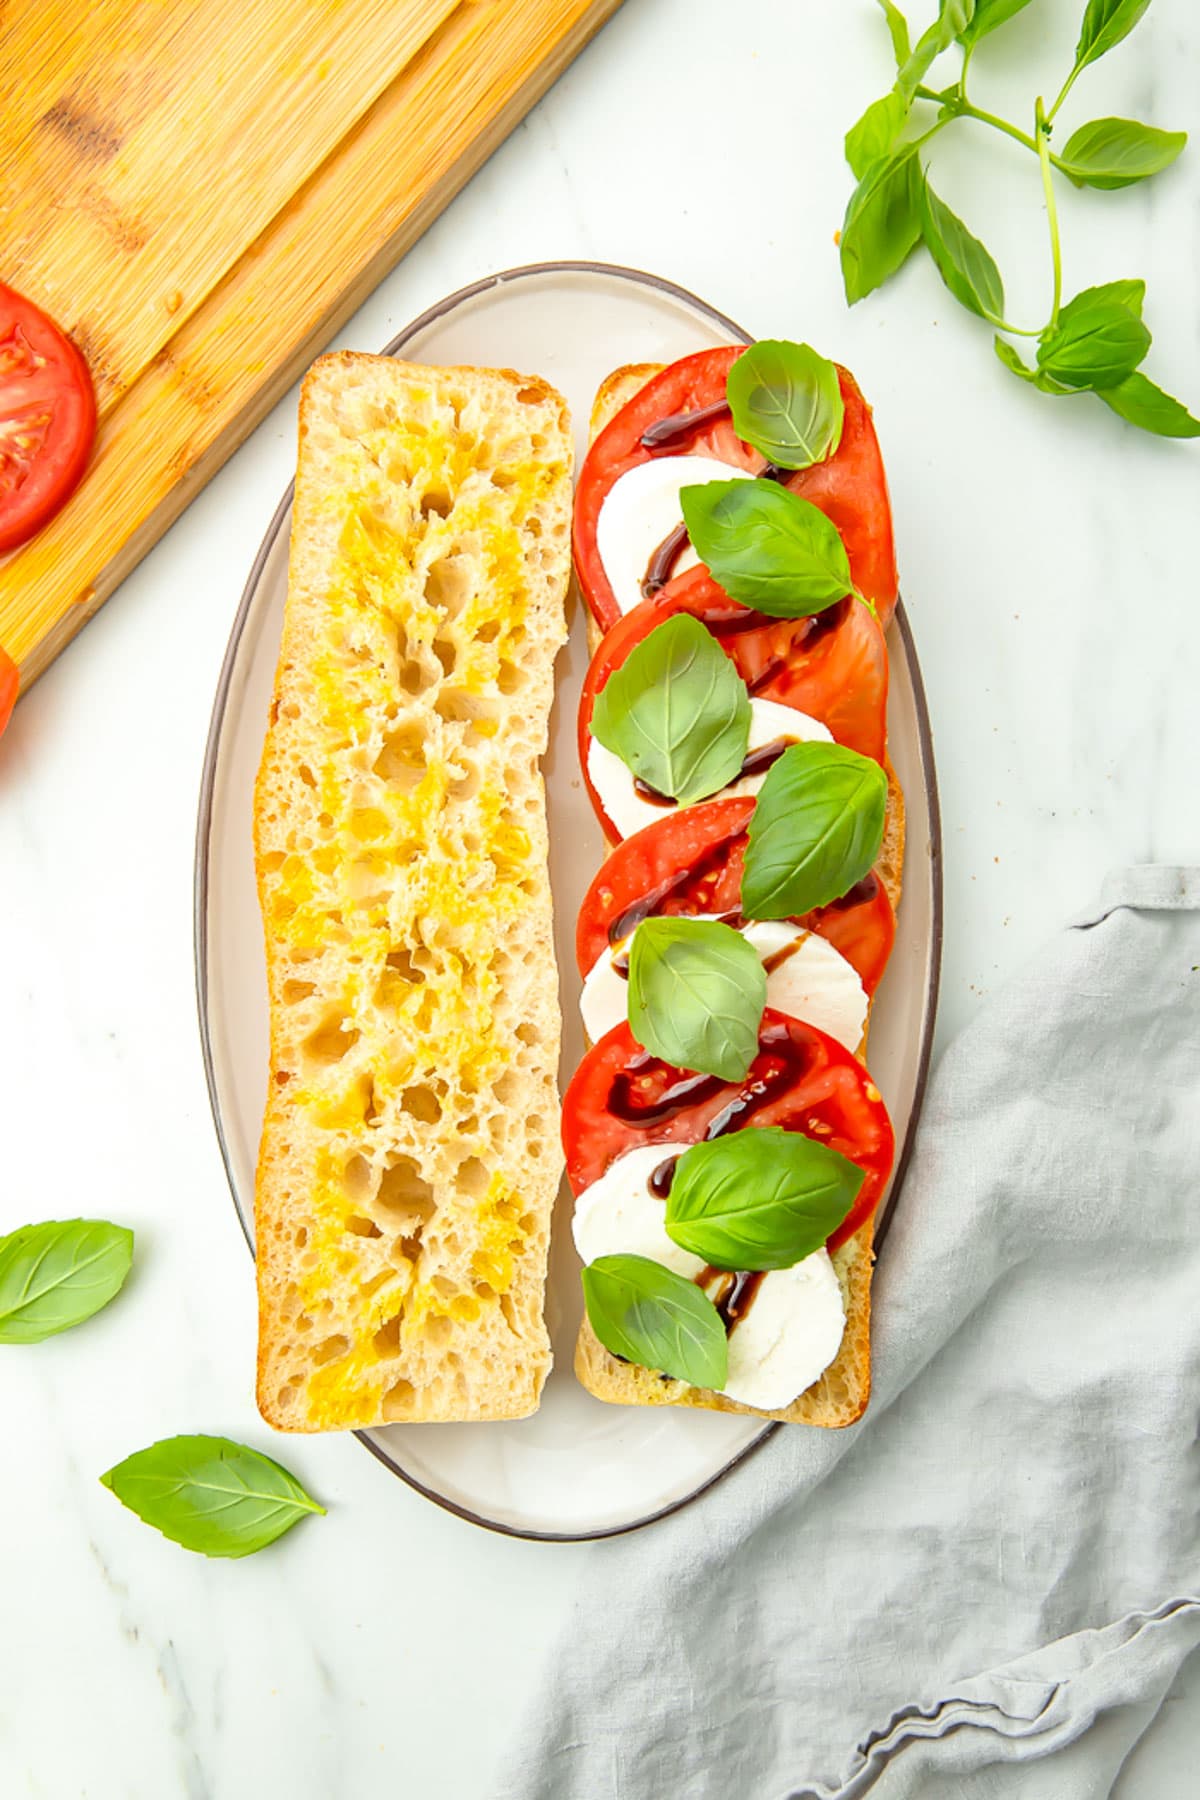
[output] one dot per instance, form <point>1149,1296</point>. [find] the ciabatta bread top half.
<point>410,1151</point>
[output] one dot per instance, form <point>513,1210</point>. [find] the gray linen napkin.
<point>1006,1551</point>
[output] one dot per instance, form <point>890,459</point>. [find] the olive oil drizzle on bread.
<point>410,1150</point>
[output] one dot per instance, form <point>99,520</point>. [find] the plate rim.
<point>202,863</point>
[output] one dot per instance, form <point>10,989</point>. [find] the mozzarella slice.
<point>811,981</point>
<point>629,812</point>
<point>641,508</point>
<point>794,1326</point>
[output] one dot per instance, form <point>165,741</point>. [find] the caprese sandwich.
<point>725,1143</point>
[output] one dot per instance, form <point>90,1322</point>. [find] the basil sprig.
<point>816,829</point>
<point>57,1274</point>
<point>786,401</point>
<point>676,712</point>
<point>696,995</point>
<point>767,547</point>
<point>1088,345</point>
<point>762,1199</point>
<point>210,1494</point>
<point>650,1315</point>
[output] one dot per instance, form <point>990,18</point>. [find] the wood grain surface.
<point>201,193</point>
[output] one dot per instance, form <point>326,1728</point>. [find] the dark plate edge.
<point>203,858</point>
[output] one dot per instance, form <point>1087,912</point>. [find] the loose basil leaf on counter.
<point>897,25</point>
<point>963,263</point>
<point>882,225</point>
<point>767,547</point>
<point>786,401</point>
<point>57,1274</point>
<point>210,1494</point>
<point>761,1199</point>
<point>1099,338</point>
<point>874,135</point>
<point>696,995</point>
<point>816,829</point>
<point>987,16</point>
<point>1105,23</point>
<point>1114,153</point>
<point>1145,405</point>
<point>676,712</point>
<point>652,1316</point>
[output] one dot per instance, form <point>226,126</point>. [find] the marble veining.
<point>1048,559</point>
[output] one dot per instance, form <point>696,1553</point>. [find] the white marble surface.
<point>1048,557</point>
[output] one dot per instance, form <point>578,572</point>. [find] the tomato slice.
<point>849,487</point>
<point>802,1079</point>
<point>47,417</point>
<point>691,862</point>
<point>10,683</point>
<point>833,666</point>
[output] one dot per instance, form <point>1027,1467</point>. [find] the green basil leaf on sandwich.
<point>649,1315</point>
<point>816,829</point>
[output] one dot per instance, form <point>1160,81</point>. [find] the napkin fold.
<point>986,1587</point>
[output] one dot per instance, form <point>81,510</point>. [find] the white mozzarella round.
<point>789,1336</point>
<point>813,982</point>
<point>629,812</point>
<point>619,1216</point>
<point>790,1333</point>
<point>641,508</point>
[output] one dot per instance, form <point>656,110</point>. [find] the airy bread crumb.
<point>410,1150</point>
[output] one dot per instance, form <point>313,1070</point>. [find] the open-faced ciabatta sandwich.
<point>725,1145</point>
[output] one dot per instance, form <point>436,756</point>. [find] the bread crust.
<point>409,1156</point>
<point>840,1395</point>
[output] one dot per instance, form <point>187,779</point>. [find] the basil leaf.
<point>767,547</point>
<point>210,1494</point>
<point>897,26</point>
<point>762,1199</point>
<point>876,132</point>
<point>57,1274</point>
<point>786,401</point>
<point>1141,403</point>
<point>1114,153</point>
<point>652,1316</point>
<point>676,712</point>
<point>696,995</point>
<point>882,223</point>
<point>1105,23</point>
<point>816,829</point>
<point>954,18</point>
<point>1012,360</point>
<point>1099,337</point>
<point>988,15</point>
<point>962,262</point>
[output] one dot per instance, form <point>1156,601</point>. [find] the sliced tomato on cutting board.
<point>10,685</point>
<point>47,417</point>
<point>691,862</point>
<point>849,487</point>
<point>802,1079</point>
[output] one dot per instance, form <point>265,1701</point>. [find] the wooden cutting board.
<point>200,192</point>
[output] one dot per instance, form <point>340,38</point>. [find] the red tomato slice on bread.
<point>803,1080</point>
<point>47,417</point>
<point>849,487</point>
<point>691,862</point>
<point>832,666</point>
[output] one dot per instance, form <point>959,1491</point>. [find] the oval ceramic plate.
<point>578,1468</point>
